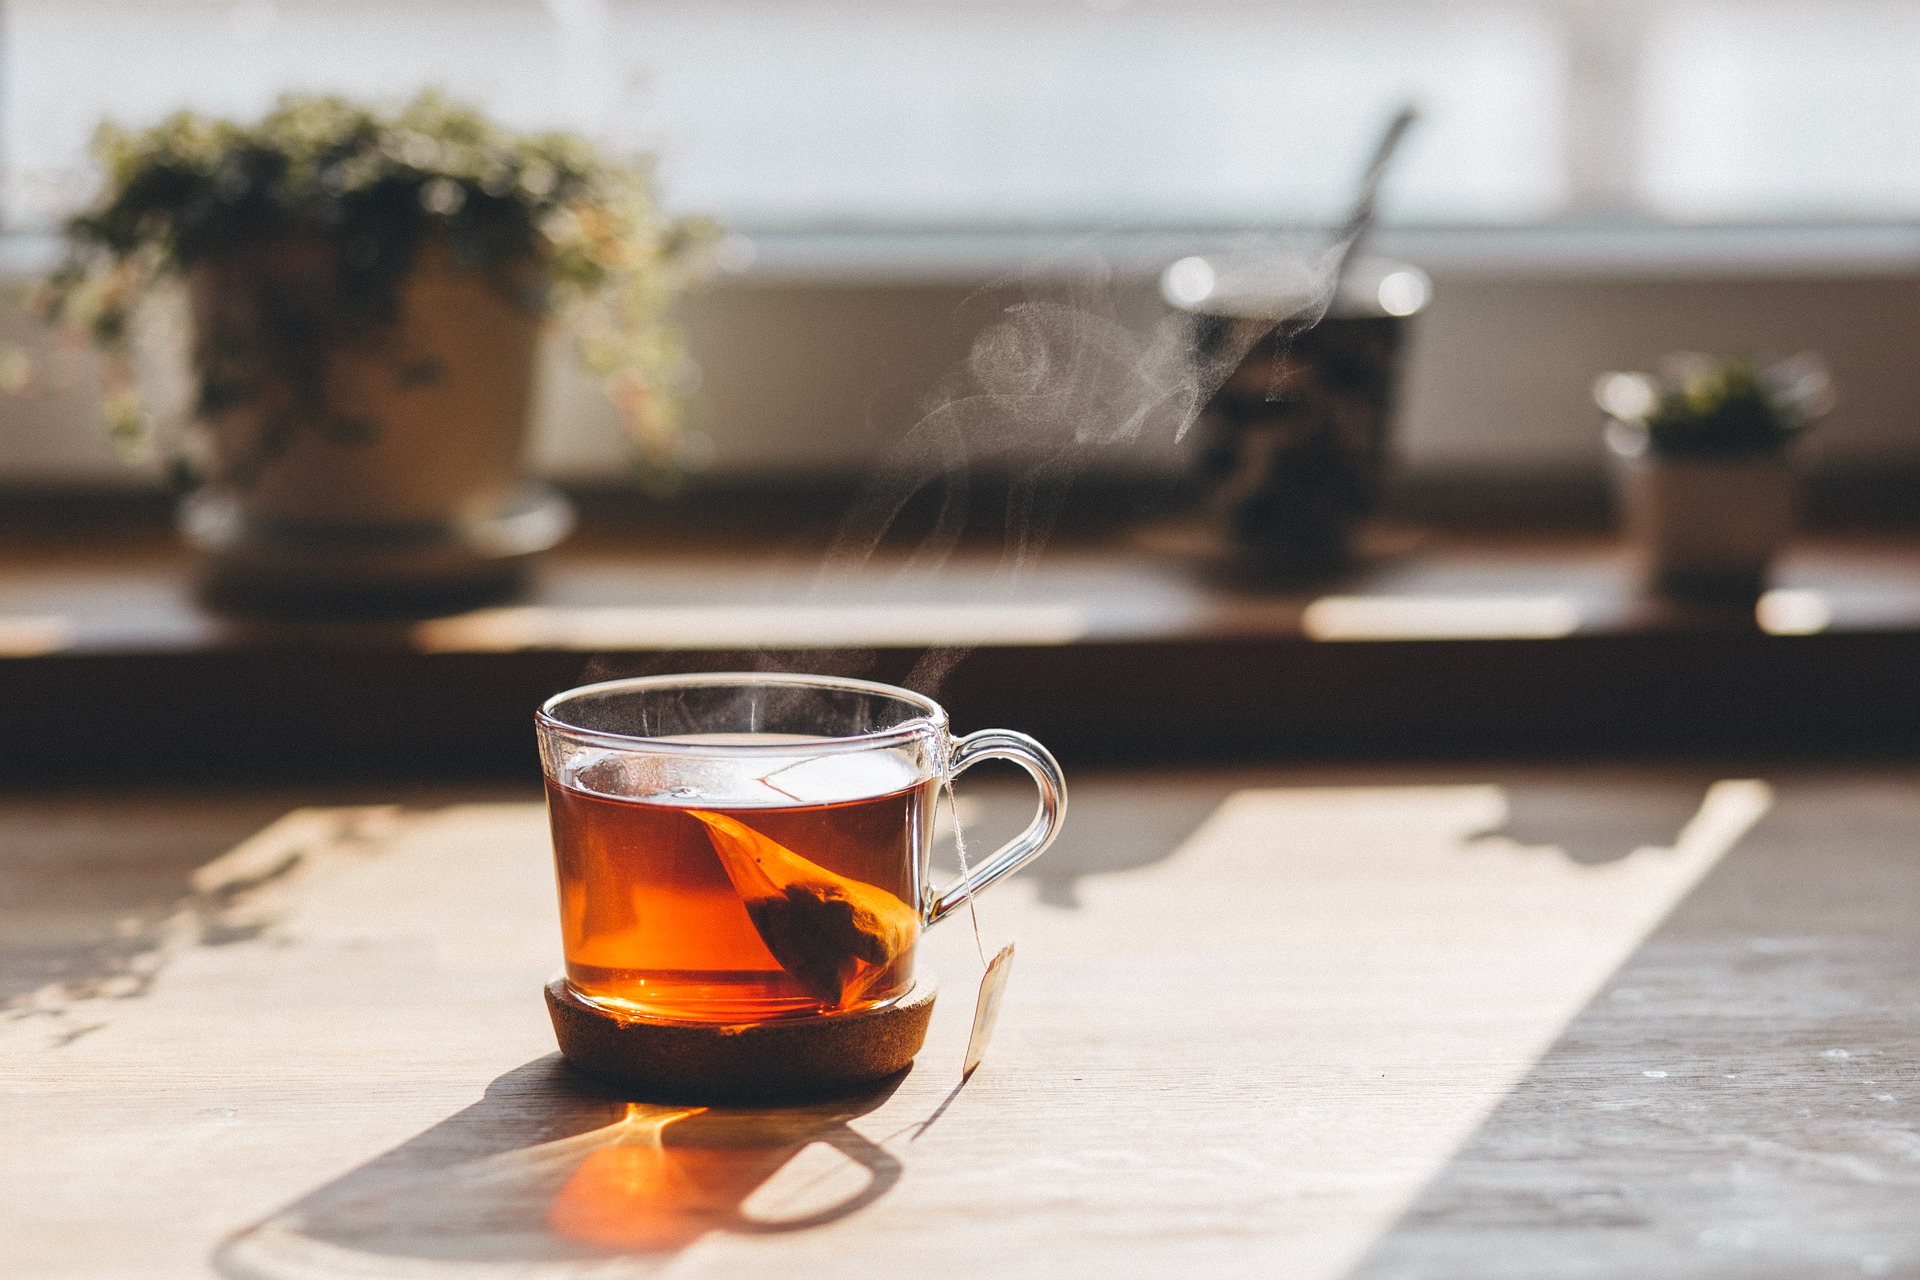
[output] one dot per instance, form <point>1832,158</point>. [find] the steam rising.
<point>1071,376</point>
<point>1065,377</point>
<point>1061,377</point>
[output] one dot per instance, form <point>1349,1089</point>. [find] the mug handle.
<point>1005,744</point>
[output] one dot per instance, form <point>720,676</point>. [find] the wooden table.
<point>1603,1022</point>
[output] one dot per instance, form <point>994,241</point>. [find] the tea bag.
<point>993,983</point>
<point>832,934</point>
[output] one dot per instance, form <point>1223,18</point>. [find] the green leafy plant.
<point>561,230</point>
<point>1707,406</point>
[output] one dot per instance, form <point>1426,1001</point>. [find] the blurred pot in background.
<point>1296,441</point>
<point>1704,468</point>
<point>366,293</point>
<point>354,463</point>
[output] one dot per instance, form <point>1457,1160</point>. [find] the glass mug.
<point>746,847</point>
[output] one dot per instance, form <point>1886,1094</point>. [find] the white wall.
<point>1497,378</point>
<point>808,375</point>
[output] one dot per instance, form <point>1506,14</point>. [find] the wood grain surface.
<point>1569,1024</point>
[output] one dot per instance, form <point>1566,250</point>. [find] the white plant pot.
<point>419,491</point>
<point>1706,527</point>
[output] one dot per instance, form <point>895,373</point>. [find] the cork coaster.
<point>741,1062</point>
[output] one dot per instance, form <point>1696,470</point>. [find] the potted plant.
<point>366,292</point>
<point>1703,452</point>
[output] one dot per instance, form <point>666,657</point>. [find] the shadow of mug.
<point>546,1168</point>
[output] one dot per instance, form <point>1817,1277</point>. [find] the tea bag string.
<point>966,873</point>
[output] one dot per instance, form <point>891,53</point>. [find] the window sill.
<point>1623,250</point>
<point>1441,646</point>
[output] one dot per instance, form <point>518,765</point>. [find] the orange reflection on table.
<point>671,1176</point>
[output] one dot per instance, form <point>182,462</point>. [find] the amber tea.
<point>740,890</point>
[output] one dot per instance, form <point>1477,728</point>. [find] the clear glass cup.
<point>746,846</point>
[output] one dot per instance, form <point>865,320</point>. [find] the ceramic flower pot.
<point>357,462</point>
<point>1703,452</point>
<point>1705,527</point>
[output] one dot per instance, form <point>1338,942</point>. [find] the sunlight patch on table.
<point>1362,974</point>
<point>768,626</point>
<point>30,635</point>
<point>1793,611</point>
<point>1441,617</point>
<point>1247,1057</point>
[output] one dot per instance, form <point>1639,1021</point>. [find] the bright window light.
<point>1797,110</point>
<point>887,114</point>
<point>905,114</point>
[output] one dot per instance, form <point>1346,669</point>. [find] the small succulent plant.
<point>564,231</point>
<point>1707,406</point>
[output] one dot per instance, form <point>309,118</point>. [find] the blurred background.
<point>1591,186</point>
<point>1593,183</point>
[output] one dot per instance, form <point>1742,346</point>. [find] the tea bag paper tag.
<point>993,985</point>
